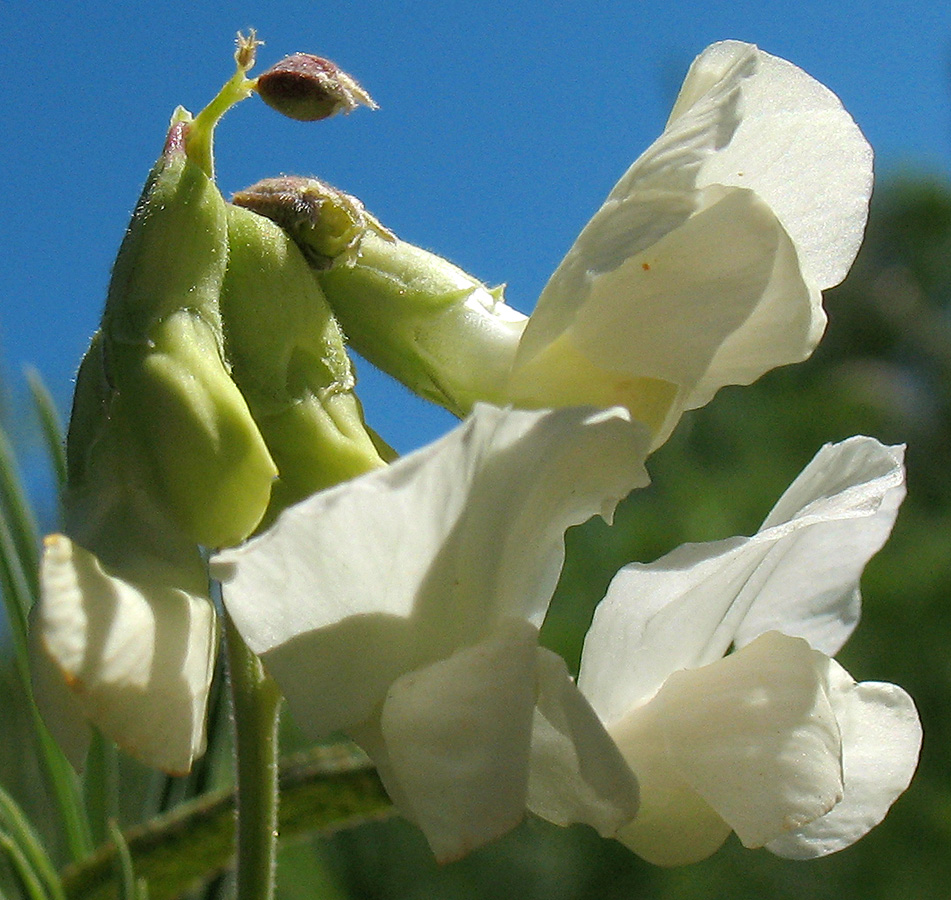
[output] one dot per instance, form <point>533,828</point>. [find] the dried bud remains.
<point>308,88</point>
<point>327,224</point>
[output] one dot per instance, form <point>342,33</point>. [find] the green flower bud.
<point>415,315</point>
<point>157,373</point>
<point>289,360</point>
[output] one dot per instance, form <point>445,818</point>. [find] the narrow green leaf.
<point>17,826</point>
<point>17,596</point>
<point>100,785</point>
<point>19,515</point>
<point>19,568</point>
<point>125,874</point>
<point>50,423</point>
<point>324,791</point>
<point>29,881</point>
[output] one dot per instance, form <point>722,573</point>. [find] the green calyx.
<point>289,360</point>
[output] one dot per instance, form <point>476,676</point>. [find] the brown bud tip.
<point>327,224</point>
<point>309,88</point>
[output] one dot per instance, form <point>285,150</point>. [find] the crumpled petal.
<point>577,772</point>
<point>798,575</point>
<point>401,567</point>
<point>137,656</point>
<point>759,166</point>
<point>457,737</point>
<point>881,737</point>
<point>753,736</point>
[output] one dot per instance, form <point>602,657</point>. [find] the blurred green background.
<point>883,369</point>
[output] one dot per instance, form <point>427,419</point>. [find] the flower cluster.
<point>401,603</point>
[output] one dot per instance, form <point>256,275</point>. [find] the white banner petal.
<point>799,575</point>
<point>799,150</point>
<point>137,655</point>
<point>644,299</point>
<point>828,524</point>
<point>402,566</point>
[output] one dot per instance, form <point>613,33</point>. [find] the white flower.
<point>705,265</point>
<point>403,607</point>
<point>773,740</point>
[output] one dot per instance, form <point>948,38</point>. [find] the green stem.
<point>199,144</point>
<point>323,791</point>
<point>256,703</point>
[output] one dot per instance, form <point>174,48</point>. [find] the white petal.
<point>402,566</point>
<point>649,311</point>
<point>798,575</point>
<point>799,150</point>
<point>881,736</point>
<point>137,655</point>
<point>656,195</point>
<point>62,713</point>
<point>672,614</point>
<point>828,524</point>
<point>577,771</point>
<point>750,741</point>
<point>674,825</point>
<point>756,736</point>
<point>457,738</point>
<point>718,300</point>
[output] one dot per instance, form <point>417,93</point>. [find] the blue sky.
<point>502,126</point>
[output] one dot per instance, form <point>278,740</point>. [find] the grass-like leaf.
<point>26,852</point>
<point>50,424</point>
<point>19,585</point>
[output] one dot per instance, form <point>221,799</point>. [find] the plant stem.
<point>256,703</point>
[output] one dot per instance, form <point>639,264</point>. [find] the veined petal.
<point>403,566</point>
<point>828,524</point>
<point>797,148</point>
<point>751,740</point>
<point>457,740</point>
<point>798,575</point>
<point>644,296</point>
<point>577,772</point>
<point>881,736</point>
<point>136,655</point>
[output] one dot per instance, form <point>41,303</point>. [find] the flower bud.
<point>158,372</point>
<point>326,224</point>
<point>309,88</point>
<point>416,316</point>
<point>288,359</point>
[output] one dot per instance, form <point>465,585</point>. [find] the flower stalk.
<point>256,703</point>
